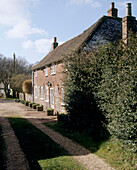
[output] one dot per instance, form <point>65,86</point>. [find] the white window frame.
<point>36,73</point>
<point>53,71</point>
<point>46,71</point>
<point>41,93</point>
<point>36,92</point>
<point>46,93</point>
<point>62,96</point>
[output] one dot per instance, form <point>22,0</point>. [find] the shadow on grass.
<point>35,144</point>
<point>82,136</point>
<point>2,148</point>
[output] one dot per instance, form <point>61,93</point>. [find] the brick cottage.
<point>47,74</point>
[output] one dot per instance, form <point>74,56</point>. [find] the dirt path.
<point>15,159</point>
<point>82,155</point>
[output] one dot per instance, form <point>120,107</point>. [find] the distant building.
<point>47,74</point>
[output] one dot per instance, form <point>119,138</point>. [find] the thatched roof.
<point>70,46</point>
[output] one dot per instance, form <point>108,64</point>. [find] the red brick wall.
<point>53,81</point>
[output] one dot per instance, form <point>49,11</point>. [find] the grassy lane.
<point>41,152</point>
<point>2,146</point>
<point>109,150</point>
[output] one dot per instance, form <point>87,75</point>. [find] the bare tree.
<point>6,69</point>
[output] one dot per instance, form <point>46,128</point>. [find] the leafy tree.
<point>17,81</point>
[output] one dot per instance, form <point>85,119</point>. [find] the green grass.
<point>9,99</point>
<point>2,147</point>
<point>110,150</point>
<point>40,150</point>
<point>59,163</point>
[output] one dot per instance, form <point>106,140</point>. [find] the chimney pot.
<point>129,10</point>
<point>113,12</point>
<point>55,43</point>
<point>55,39</point>
<point>112,5</point>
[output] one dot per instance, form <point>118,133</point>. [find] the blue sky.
<point>27,27</point>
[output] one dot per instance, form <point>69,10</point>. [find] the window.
<point>36,73</point>
<point>51,98</point>
<point>36,92</point>
<point>46,71</point>
<point>46,93</point>
<point>53,69</point>
<point>62,96</point>
<point>41,92</point>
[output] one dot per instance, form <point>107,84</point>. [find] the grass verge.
<point>2,147</point>
<point>41,151</point>
<point>110,150</point>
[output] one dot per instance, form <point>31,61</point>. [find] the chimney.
<point>129,10</point>
<point>55,44</point>
<point>113,12</point>
<point>128,23</point>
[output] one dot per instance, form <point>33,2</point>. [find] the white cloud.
<point>23,30</point>
<point>92,3</point>
<point>42,46</point>
<point>27,44</point>
<point>15,14</point>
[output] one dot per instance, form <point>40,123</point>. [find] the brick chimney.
<point>55,44</point>
<point>113,12</point>
<point>128,23</point>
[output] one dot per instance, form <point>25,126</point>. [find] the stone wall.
<point>25,96</point>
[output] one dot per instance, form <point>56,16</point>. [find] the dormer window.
<point>36,73</point>
<point>46,71</point>
<point>53,69</point>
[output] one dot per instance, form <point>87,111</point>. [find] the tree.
<point>14,77</point>
<point>6,69</point>
<point>22,66</point>
<point>17,81</point>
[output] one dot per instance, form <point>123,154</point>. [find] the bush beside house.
<point>101,91</point>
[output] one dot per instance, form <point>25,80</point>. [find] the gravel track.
<point>15,156</point>
<point>82,155</point>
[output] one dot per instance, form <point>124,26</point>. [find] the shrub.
<point>34,106</point>
<point>30,104</point>
<point>27,86</point>
<point>27,103</point>
<point>116,93</point>
<point>17,100</point>
<point>50,111</point>
<point>22,101</point>
<point>62,117</point>
<point>100,91</point>
<point>81,79</point>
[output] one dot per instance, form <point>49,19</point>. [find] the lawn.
<point>110,149</point>
<point>1,150</point>
<point>40,150</point>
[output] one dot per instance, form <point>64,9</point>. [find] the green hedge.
<point>101,90</point>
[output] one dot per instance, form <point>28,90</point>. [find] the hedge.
<point>101,90</point>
